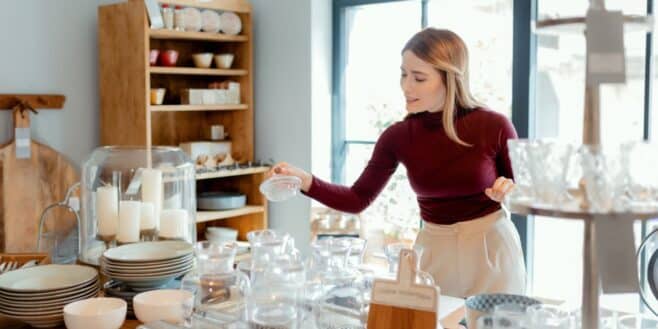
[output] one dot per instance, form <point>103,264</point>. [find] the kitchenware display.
<point>192,20</point>
<point>230,23</point>
<point>34,177</point>
<point>216,285</point>
<point>153,57</point>
<point>37,295</point>
<point>131,194</point>
<point>97,313</point>
<point>173,306</point>
<point>224,61</point>
<point>157,96</point>
<point>220,200</point>
<point>147,265</point>
<point>168,57</point>
<point>210,21</point>
<point>202,60</point>
<point>221,234</point>
<point>280,187</point>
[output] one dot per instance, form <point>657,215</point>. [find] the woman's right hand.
<point>283,168</point>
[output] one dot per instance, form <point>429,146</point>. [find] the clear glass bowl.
<point>132,194</point>
<point>280,188</point>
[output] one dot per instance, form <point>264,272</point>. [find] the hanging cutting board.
<point>27,187</point>
<point>401,303</point>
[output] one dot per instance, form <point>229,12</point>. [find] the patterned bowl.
<point>479,305</point>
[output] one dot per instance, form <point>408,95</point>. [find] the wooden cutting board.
<point>27,187</point>
<point>401,303</point>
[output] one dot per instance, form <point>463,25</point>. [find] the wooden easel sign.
<point>401,303</point>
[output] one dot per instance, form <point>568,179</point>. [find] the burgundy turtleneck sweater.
<point>449,179</point>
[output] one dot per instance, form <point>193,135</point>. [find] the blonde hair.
<point>447,52</point>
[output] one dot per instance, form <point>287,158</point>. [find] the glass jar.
<point>266,247</point>
<point>215,284</point>
<point>335,289</point>
<point>131,194</point>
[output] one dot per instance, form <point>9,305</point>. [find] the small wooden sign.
<point>403,304</point>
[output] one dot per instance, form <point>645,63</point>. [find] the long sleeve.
<point>363,192</point>
<point>503,163</point>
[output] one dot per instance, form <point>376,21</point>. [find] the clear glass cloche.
<point>132,194</point>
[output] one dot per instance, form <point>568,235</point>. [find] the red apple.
<point>168,58</point>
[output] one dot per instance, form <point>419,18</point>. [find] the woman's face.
<point>423,87</point>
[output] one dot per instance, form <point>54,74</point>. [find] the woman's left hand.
<point>500,188</point>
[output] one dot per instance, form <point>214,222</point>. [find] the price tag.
<point>606,61</point>
<point>22,141</point>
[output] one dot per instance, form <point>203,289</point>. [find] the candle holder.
<point>132,194</point>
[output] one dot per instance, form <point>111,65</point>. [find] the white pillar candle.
<point>129,221</point>
<point>152,191</point>
<point>147,215</point>
<point>107,210</point>
<point>173,223</point>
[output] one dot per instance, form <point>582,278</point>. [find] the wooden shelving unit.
<point>196,71</point>
<point>188,108</point>
<point>127,118</point>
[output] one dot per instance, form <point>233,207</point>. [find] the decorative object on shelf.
<point>179,18</point>
<point>154,15</point>
<point>157,96</point>
<point>202,60</point>
<point>230,23</point>
<point>210,21</point>
<point>117,184</point>
<point>224,61</point>
<point>168,57</point>
<point>192,18</point>
<point>221,200</point>
<point>217,132</point>
<point>168,16</point>
<point>153,57</point>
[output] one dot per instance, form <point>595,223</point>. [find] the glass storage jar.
<point>132,194</point>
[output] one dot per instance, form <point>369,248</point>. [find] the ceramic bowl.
<point>169,305</point>
<point>97,313</point>
<point>224,61</point>
<point>479,305</point>
<point>202,60</point>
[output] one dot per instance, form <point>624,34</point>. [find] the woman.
<point>455,152</point>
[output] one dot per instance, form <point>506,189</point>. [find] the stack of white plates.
<point>37,295</point>
<point>147,265</point>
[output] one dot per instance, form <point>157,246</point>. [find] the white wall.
<point>292,60</point>
<point>50,47</point>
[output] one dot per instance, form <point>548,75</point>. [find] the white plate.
<point>41,310</point>
<point>230,23</point>
<point>192,19</point>
<point>149,251</point>
<point>210,21</point>
<point>46,278</point>
<point>158,264</point>
<point>146,268</point>
<point>54,299</point>
<point>157,271</point>
<point>112,274</point>
<point>40,296</point>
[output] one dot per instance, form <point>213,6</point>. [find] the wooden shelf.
<point>195,71</point>
<point>191,108</point>
<point>238,6</point>
<point>202,36</point>
<point>232,172</point>
<point>206,216</point>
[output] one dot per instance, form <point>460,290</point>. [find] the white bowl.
<point>202,60</point>
<point>484,304</point>
<point>97,313</point>
<point>224,61</point>
<point>168,305</point>
<point>221,234</point>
